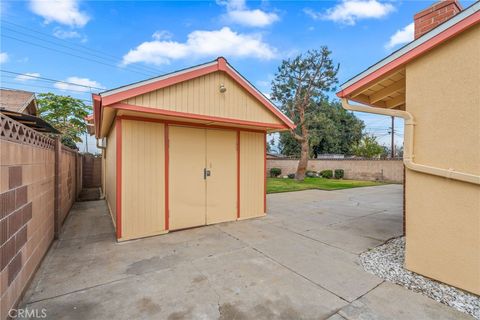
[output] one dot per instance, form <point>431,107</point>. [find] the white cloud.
<point>162,35</point>
<point>238,13</point>
<point>3,57</point>
<point>66,12</point>
<point>350,11</point>
<point>402,36</point>
<point>69,34</point>
<point>27,76</point>
<point>223,42</point>
<point>81,81</point>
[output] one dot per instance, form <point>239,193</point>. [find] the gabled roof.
<point>18,101</point>
<point>450,28</point>
<point>117,95</point>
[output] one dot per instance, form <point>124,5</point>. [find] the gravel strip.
<point>386,261</point>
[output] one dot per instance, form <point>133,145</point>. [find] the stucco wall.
<point>443,216</point>
<point>373,170</point>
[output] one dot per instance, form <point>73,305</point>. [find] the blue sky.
<point>105,44</point>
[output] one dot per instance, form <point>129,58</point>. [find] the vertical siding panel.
<point>251,174</point>
<point>143,192</point>
<point>196,90</point>
<point>201,96</point>
<point>222,96</point>
<point>111,174</point>
<point>159,100</point>
<point>189,95</point>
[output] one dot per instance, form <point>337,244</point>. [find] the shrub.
<point>339,173</point>
<point>275,172</point>
<point>310,174</point>
<point>328,174</point>
<point>291,176</point>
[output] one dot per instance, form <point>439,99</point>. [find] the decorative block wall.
<point>26,215</point>
<point>36,194</point>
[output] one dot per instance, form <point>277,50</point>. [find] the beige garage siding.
<point>143,179</point>
<point>202,96</point>
<point>252,174</point>
<point>110,182</point>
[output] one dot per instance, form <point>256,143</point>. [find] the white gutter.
<point>408,145</point>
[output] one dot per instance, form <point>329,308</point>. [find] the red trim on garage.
<point>238,174</point>
<point>97,113</point>
<point>187,115</point>
<point>118,127</point>
<point>265,173</point>
<point>167,157</point>
<point>188,124</point>
<point>243,83</point>
<point>412,54</point>
<point>162,83</point>
<point>167,168</point>
<point>220,65</point>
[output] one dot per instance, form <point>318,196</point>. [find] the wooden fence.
<point>39,182</point>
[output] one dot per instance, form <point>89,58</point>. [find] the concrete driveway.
<point>299,262</point>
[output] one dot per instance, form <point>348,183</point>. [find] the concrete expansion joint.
<point>219,307</point>
<point>313,239</point>
<point>298,274</point>
<point>78,290</point>
<point>284,266</point>
<point>358,302</point>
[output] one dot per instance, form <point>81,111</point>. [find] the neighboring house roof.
<point>450,28</point>
<point>117,95</point>
<point>18,101</point>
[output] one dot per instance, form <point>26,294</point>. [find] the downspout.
<point>408,145</point>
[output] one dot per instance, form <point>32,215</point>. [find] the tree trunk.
<point>303,162</point>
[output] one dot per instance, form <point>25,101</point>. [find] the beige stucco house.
<point>185,149</point>
<point>434,84</point>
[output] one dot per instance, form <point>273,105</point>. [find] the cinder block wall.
<point>68,181</point>
<point>29,208</point>
<point>26,213</point>
<point>92,171</point>
<point>371,170</point>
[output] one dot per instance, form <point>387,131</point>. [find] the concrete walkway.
<point>299,262</point>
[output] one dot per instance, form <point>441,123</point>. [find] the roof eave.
<point>114,96</point>
<point>462,21</point>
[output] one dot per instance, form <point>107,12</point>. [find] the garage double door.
<point>202,176</point>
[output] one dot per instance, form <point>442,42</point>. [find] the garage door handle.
<point>206,173</point>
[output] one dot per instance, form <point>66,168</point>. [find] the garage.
<point>185,149</point>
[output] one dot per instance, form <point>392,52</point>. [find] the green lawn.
<point>275,185</point>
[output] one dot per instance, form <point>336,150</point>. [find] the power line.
<point>36,92</point>
<point>44,87</point>
<point>70,54</point>
<point>86,49</point>
<point>51,80</point>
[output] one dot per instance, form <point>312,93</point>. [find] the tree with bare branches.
<point>298,86</point>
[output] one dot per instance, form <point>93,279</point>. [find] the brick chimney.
<point>434,15</point>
